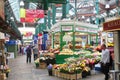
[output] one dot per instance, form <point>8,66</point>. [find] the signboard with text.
<point>112,25</point>
<point>66,28</point>
<point>81,29</point>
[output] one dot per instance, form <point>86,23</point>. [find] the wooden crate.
<point>73,76</point>
<point>2,76</point>
<point>42,65</point>
<point>66,76</point>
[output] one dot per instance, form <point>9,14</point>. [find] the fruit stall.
<point>73,33</point>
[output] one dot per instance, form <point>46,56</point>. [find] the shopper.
<point>35,52</point>
<point>20,50</point>
<point>49,67</point>
<point>25,47</point>
<point>105,61</point>
<point>29,53</point>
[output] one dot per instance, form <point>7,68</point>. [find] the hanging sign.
<point>30,15</point>
<point>34,13</point>
<point>112,25</point>
<point>58,5</point>
<point>92,31</point>
<point>81,29</point>
<point>22,13</point>
<point>66,28</point>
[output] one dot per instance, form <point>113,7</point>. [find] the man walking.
<point>29,53</point>
<point>105,61</point>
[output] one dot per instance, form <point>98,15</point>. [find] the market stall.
<point>4,68</point>
<point>73,33</point>
<point>71,40</point>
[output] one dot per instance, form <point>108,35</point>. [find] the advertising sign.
<point>34,13</point>
<point>30,15</point>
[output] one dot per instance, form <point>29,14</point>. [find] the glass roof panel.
<point>32,5</point>
<point>16,8</point>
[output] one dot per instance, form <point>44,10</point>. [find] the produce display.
<point>80,62</point>
<point>72,68</point>
<point>66,52</point>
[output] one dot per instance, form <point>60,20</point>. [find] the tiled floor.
<point>20,70</point>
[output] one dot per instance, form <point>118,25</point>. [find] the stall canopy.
<point>74,26</point>
<point>49,1</point>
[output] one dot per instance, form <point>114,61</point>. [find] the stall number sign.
<point>66,28</point>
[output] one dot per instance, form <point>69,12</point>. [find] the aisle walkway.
<point>20,70</point>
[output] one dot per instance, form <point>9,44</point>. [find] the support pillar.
<point>96,39</point>
<point>53,14</point>
<point>45,22</point>
<point>89,39</point>
<point>97,10</point>
<point>63,11</point>
<point>61,40</point>
<point>49,19</point>
<point>74,41</point>
<point>53,40</point>
<point>116,37</point>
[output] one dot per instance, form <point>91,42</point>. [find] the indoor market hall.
<point>59,39</point>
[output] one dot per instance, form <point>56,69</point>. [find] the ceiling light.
<point>21,3</point>
<point>88,20</point>
<point>83,17</point>
<point>107,6</point>
<point>12,18</point>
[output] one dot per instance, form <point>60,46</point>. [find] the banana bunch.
<point>82,64</point>
<point>110,44</point>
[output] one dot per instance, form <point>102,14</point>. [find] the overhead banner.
<point>2,9</point>
<point>30,15</point>
<point>112,25</point>
<point>34,13</point>
<point>22,13</point>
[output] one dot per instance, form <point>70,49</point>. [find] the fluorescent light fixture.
<point>113,12</point>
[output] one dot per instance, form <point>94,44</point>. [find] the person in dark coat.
<point>29,53</point>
